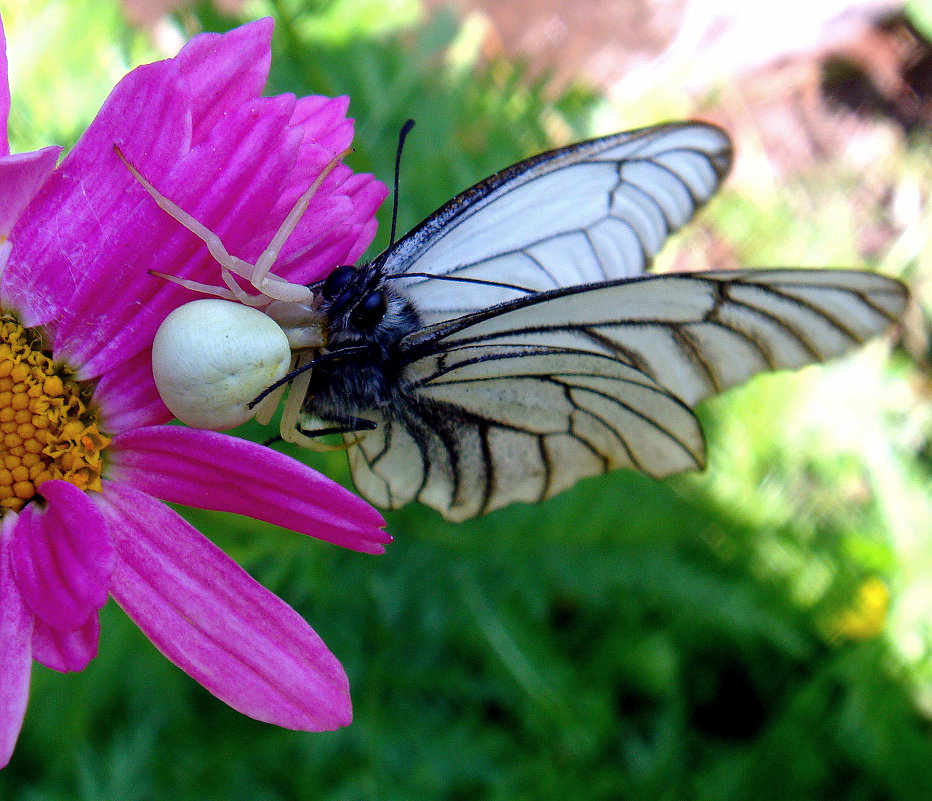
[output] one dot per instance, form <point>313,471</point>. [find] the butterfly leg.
<point>310,438</point>
<point>349,425</point>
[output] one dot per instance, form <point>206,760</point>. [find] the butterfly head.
<point>361,308</point>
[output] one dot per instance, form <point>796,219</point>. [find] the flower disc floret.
<point>47,429</point>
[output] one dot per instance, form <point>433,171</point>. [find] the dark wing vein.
<point>800,336</point>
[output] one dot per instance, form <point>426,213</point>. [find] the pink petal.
<point>70,228</point>
<point>324,121</point>
<point>127,397</point>
<point>62,556</point>
<point>92,216</point>
<point>340,227</point>
<point>65,651</point>
<point>234,161</point>
<point>4,95</point>
<point>229,184</point>
<point>225,70</point>
<point>20,178</point>
<point>15,648</point>
<point>206,614</point>
<point>334,230</point>
<point>208,470</point>
<point>367,195</point>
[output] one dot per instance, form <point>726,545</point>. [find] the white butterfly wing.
<point>593,211</point>
<point>495,425</point>
<point>521,401</point>
<point>692,333</point>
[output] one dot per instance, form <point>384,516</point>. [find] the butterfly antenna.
<point>402,135</point>
<point>466,280</point>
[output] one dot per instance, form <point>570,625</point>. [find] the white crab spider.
<point>212,357</point>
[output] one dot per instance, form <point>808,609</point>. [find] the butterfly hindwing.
<point>495,425</point>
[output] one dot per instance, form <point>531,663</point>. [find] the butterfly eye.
<point>337,281</point>
<point>370,311</point>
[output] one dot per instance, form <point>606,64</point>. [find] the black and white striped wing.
<point>496,425</point>
<point>594,211</point>
<point>520,402</point>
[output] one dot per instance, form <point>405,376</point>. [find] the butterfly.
<point>513,342</point>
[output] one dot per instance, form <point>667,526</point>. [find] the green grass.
<point>628,639</point>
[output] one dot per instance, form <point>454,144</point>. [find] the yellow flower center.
<point>46,427</point>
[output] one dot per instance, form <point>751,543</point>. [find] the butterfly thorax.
<point>368,318</point>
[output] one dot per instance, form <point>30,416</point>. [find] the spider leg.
<point>196,286</point>
<point>235,292</point>
<point>214,243</point>
<point>272,287</point>
<point>266,260</point>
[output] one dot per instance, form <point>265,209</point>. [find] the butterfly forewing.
<point>594,211</point>
<point>692,333</point>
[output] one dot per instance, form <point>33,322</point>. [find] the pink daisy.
<point>87,458</point>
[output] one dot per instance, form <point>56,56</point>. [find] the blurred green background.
<point>758,631</point>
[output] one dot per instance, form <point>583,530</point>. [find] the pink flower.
<point>85,450</point>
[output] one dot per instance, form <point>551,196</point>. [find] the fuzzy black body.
<point>361,310</point>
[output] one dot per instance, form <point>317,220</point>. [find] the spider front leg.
<point>262,276</point>
<point>270,286</point>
